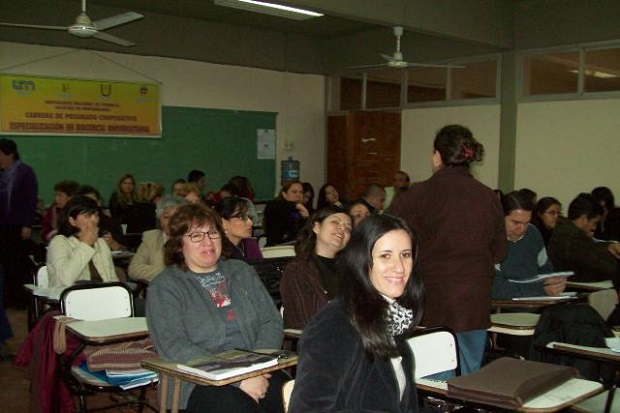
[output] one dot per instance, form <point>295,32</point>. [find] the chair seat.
<point>514,324</point>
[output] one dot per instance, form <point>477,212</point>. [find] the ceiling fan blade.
<point>387,57</point>
<point>117,20</point>
<point>366,67</point>
<point>435,65</point>
<point>34,26</point>
<point>113,39</point>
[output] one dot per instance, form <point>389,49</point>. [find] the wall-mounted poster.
<point>33,105</point>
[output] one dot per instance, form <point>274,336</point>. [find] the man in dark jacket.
<point>573,248</point>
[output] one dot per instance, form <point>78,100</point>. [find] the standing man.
<point>18,205</point>
<point>460,227</point>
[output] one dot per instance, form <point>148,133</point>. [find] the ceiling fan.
<point>396,61</point>
<point>85,27</point>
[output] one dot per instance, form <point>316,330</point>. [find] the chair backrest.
<point>435,350</point>
<point>278,251</point>
<point>41,278</point>
<point>603,301</point>
<point>287,390</point>
<point>97,301</point>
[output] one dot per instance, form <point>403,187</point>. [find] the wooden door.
<point>363,149</point>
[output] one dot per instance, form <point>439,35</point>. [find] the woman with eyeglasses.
<point>201,305</point>
<point>237,224</point>
<point>548,210</point>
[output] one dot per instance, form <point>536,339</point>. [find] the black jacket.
<point>335,375</point>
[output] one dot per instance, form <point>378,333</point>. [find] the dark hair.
<point>306,239</point>
<point>584,204</point>
<point>515,200</point>
<point>604,196</point>
<point>457,147</point>
<point>365,306</point>
<point>243,185</point>
<point>528,193</point>
<point>230,188</point>
<point>68,187</point>
<point>286,186</point>
<point>232,205</point>
<point>195,175</point>
<point>77,205</point>
<point>87,190</point>
<point>544,203</point>
<point>321,201</point>
<point>9,147</point>
<point>405,174</point>
<point>307,186</point>
<point>186,217</point>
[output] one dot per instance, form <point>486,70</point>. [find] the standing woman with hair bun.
<point>462,235</point>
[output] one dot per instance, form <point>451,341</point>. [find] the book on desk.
<point>228,364</point>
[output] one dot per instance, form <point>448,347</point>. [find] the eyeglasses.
<point>242,217</point>
<point>199,236</point>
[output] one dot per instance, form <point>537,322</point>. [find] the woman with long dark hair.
<point>353,352</point>
<point>310,280</point>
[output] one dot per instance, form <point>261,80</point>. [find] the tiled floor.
<point>14,387</point>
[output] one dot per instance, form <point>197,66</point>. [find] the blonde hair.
<point>149,191</point>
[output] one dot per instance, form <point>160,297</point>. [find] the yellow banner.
<point>55,106</point>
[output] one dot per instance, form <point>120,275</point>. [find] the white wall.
<point>298,99</point>
<point>419,127</point>
<point>564,148</point>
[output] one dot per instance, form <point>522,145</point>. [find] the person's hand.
<point>26,233</point>
<point>89,234</point>
<point>109,239</point>
<point>614,249</point>
<point>302,210</point>
<point>256,387</point>
<point>554,285</point>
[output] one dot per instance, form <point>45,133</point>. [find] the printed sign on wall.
<point>34,105</point>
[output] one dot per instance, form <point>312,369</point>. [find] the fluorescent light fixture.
<point>596,73</point>
<point>269,8</point>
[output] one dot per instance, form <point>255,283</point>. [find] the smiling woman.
<point>310,280</point>
<point>201,305</point>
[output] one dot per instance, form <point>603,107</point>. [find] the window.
<point>427,84</point>
<point>602,70</point>
<point>552,73</point>
<point>474,81</point>
<point>579,71</point>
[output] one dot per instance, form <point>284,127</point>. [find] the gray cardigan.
<point>184,324</point>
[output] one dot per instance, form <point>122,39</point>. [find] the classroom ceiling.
<point>352,32</point>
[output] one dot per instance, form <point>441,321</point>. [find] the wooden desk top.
<point>567,394</point>
<point>170,368</point>
<point>109,331</point>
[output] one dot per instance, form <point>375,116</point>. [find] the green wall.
<point>222,143</point>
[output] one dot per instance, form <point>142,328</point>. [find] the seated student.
<point>308,200</point>
<point>353,355</point>
<point>237,223</point>
<point>329,195</point>
<point>63,191</point>
<point>201,305</point>
<point>176,187</point>
<point>77,253</point>
<point>109,229</point>
<point>285,215</point>
<point>142,216</point>
<point>545,218</point>
<point>123,198</point>
<point>374,198</point>
<point>149,259</point>
<point>400,185</point>
<point>526,257</point>
<point>609,226</point>
<point>359,212</point>
<point>190,192</point>
<point>573,248</point>
<point>310,280</point>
